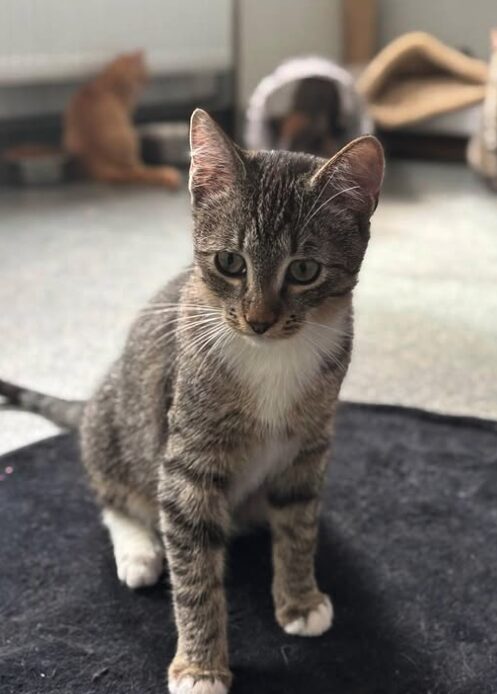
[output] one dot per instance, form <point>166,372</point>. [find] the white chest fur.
<point>261,462</point>
<point>276,373</point>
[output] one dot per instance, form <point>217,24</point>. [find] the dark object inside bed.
<point>408,552</point>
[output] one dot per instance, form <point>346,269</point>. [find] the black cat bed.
<point>272,99</point>
<point>408,552</point>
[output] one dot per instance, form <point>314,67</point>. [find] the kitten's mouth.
<point>258,339</point>
<point>276,333</point>
<point>268,338</point>
<point>255,338</point>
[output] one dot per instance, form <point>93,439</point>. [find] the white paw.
<point>138,552</point>
<point>139,569</point>
<point>316,623</point>
<point>187,685</point>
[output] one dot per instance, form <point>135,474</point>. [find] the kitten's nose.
<point>260,327</point>
<point>260,317</point>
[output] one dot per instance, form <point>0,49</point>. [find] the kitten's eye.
<point>303,271</point>
<point>230,264</point>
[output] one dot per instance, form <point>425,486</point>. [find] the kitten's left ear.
<point>355,174</point>
<point>216,163</point>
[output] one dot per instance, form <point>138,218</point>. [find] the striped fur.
<point>65,413</point>
<point>200,427</point>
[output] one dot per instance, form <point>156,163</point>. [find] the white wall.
<point>460,23</point>
<point>44,40</point>
<point>47,47</point>
<point>271,31</point>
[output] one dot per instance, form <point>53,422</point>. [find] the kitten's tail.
<point>65,413</point>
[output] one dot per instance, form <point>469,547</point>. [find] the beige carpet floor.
<point>76,263</point>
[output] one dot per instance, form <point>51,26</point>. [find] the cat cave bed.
<point>272,100</point>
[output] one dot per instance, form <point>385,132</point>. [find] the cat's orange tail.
<point>166,176</point>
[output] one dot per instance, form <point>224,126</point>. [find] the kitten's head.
<point>278,236</point>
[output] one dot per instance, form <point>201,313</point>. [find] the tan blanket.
<point>417,77</point>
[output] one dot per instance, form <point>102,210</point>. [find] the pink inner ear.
<point>355,173</point>
<point>213,158</point>
<point>366,164</point>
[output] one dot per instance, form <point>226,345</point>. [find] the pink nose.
<point>260,327</point>
<point>260,319</point>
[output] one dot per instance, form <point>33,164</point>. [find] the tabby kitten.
<point>220,409</point>
<point>482,148</point>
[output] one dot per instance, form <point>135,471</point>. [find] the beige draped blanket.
<point>417,77</point>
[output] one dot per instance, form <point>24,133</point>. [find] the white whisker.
<point>181,304</point>
<point>325,353</point>
<point>188,312</point>
<point>204,338</point>
<point>178,330</point>
<point>332,197</point>
<point>217,342</point>
<point>187,320</point>
<point>313,206</point>
<point>337,331</point>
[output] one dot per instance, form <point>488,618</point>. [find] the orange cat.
<point>99,132</point>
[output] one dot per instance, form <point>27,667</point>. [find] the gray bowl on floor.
<point>166,143</point>
<point>33,166</point>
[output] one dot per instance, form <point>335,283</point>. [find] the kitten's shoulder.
<point>159,311</point>
<point>170,293</point>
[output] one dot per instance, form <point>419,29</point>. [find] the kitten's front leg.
<point>194,521</point>
<point>301,608</point>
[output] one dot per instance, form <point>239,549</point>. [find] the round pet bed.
<point>272,99</point>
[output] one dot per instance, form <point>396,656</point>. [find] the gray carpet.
<point>76,263</point>
<point>415,611</point>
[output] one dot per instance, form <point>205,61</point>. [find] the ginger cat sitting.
<point>99,132</point>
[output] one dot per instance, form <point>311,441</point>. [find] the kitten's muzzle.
<point>260,317</point>
<point>260,314</point>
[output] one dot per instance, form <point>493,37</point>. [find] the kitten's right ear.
<point>355,173</point>
<point>216,163</point>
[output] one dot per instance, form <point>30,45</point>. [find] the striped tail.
<point>65,413</point>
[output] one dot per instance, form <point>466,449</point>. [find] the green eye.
<point>303,271</point>
<point>230,264</point>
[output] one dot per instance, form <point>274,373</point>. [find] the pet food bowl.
<point>166,143</point>
<point>35,165</point>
